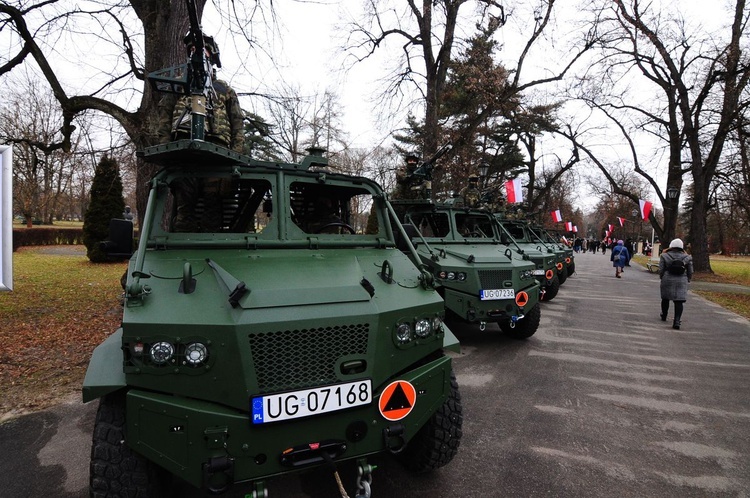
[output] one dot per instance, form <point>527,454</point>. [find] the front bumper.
<point>209,445</point>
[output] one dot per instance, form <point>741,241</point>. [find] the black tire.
<point>562,275</point>
<point>525,327</point>
<point>551,290</point>
<point>115,469</point>
<point>438,440</point>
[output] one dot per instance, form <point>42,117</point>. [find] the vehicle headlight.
<point>437,325</point>
<point>451,275</point>
<point>403,333</point>
<point>161,352</point>
<point>442,275</point>
<point>461,276</point>
<point>196,354</point>
<point>422,328</point>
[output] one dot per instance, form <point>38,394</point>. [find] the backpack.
<point>676,267</point>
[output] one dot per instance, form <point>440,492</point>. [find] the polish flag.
<point>513,191</point>
<point>575,229</point>
<point>569,226</point>
<point>645,209</point>
<point>622,221</point>
<point>556,216</point>
<point>611,227</point>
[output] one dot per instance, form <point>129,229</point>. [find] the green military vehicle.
<point>568,259</point>
<point>539,253</point>
<point>480,279</point>
<point>282,340</point>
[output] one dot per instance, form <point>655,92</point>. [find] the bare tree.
<point>698,78</point>
<point>139,36</point>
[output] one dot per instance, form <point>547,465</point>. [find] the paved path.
<point>605,400</point>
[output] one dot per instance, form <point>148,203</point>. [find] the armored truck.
<point>481,280</point>
<point>265,333</point>
<point>569,258</point>
<point>541,254</point>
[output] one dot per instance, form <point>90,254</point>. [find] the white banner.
<point>6,218</point>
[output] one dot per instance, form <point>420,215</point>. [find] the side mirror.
<point>120,242</point>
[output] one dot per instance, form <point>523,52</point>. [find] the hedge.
<point>46,236</point>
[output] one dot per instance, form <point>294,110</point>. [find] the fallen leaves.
<point>61,307</point>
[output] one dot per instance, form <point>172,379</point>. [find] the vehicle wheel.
<point>551,291</point>
<point>437,441</point>
<point>562,276</point>
<point>526,327</point>
<point>115,469</point>
<point>571,268</point>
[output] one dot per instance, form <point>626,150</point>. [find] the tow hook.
<point>394,432</point>
<point>514,319</point>
<point>482,326</point>
<point>223,467</point>
<point>309,453</point>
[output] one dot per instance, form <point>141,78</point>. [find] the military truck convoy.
<point>280,317</point>
<point>480,279</point>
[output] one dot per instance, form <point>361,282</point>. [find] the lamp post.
<point>672,192</point>
<point>483,169</point>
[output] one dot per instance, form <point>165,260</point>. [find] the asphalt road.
<point>604,400</point>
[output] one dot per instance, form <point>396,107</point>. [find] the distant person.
<point>675,271</point>
<point>620,257</point>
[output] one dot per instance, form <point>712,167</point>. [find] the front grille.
<point>494,279</point>
<point>294,359</point>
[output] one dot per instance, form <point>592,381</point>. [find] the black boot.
<point>663,317</point>
<point>676,325</point>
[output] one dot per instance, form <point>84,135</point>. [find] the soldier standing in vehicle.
<point>471,194</point>
<point>224,126</point>
<point>405,184</point>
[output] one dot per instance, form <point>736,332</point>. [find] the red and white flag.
<point>575,228</point>
<point>645,209</point>
<point>569,226</point>
<point>513,191</point>
<point>556,216</point>
<point>611,227</point>
<point>622,221</point>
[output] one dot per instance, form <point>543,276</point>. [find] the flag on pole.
<point>575,228</point>
<point>622,221</point>
<point>569,226</point>
<point>513,191</point>
<point>611,227</point>
<point>556,216</point>
<point>645,209</point>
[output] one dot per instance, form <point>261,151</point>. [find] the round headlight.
<point>451,275</point>
<point>461,276</point>
<point>161,352</point>
<point>403,333</point>
<point>437,324</point>
<point>442,274</point>
<point>196,354</point>
<point>422,328</point>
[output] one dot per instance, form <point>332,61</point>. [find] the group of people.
<point>675,272</point>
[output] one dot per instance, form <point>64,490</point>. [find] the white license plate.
<point>298,404</point>
<point>493,294</point>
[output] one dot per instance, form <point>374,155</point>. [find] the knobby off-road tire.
<point>562,276</point>
<point>115,469</point>
<point>552,290</point>
<point>438,440</point>
<point>525,327</point>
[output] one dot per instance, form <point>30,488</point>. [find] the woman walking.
<point>620,257</point>
<point>675,271</point>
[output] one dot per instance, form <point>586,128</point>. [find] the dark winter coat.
<point>619,256</point>
<point>674,287</point>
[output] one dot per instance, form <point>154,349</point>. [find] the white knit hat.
<point>675,243</point>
